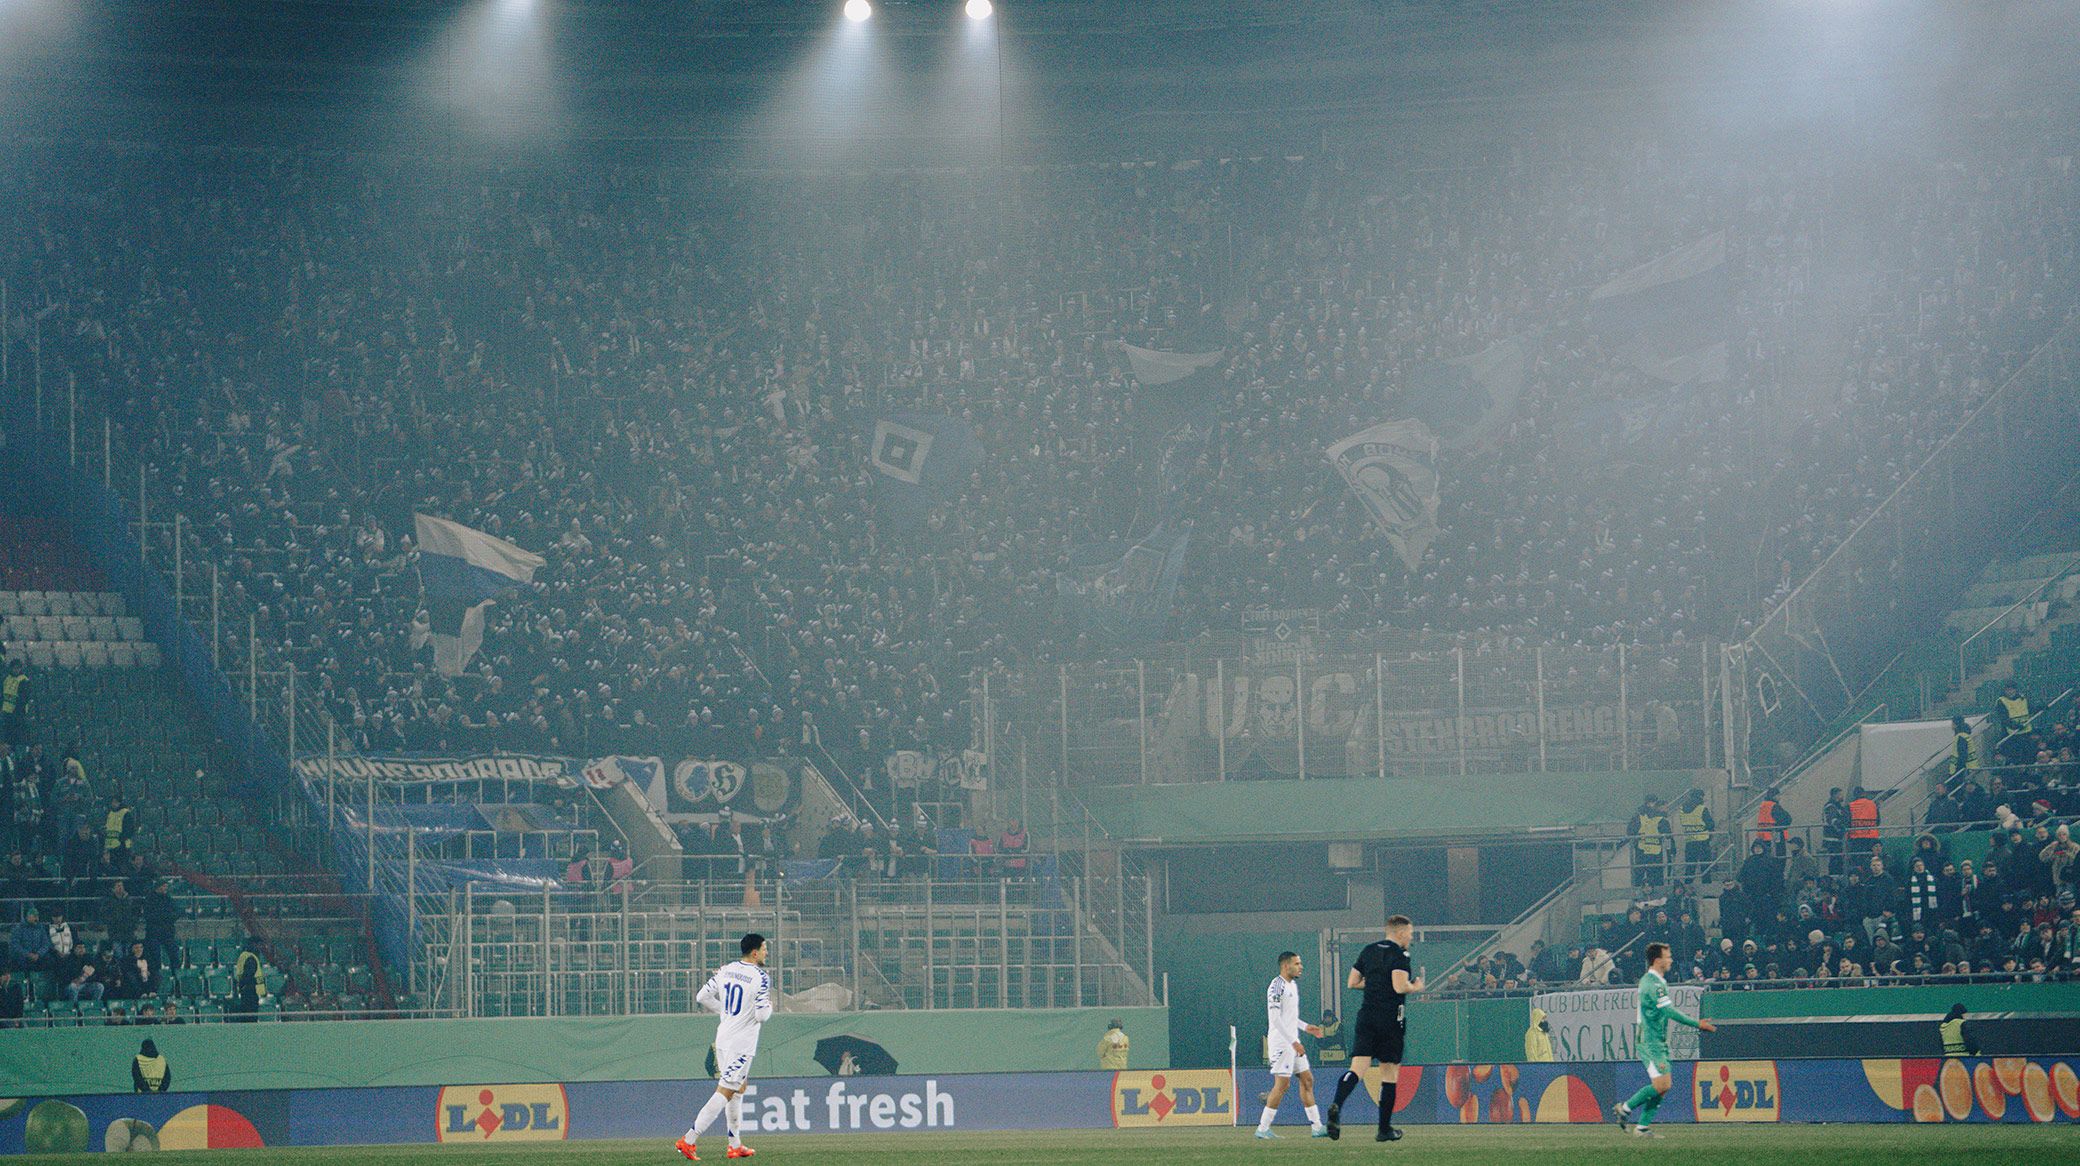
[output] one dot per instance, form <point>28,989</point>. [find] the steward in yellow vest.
<point>148,1070</point>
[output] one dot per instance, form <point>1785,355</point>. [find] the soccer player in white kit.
<point>1288,1059</point>
<point>742,994</point>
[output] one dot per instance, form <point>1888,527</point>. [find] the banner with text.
<point>1603,1024</point>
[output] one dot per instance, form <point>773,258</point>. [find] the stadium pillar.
<point>108,451</point>
<point>1459,722</point>
<point>6,340</point>
<point>1300,706</point>
<point>1704,677</point>
<point>252,664</point>
<point>289,698</point>
<point>331,773</point>
<point>1141,717</point>
<point>216,603</point>
<point>72,431</point>
<point>1538,661</point>
<point>1062,776</point>
<point>141,545</point>
<point>1076,930</point>
<point>178,520</point>
<point>1624,713</point>
<point>1379,711</point>
<point>1220,716</point>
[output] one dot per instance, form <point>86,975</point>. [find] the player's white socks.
<point>736,1121</point>
<point>1314,1116</point>
<point>709,1112</point>
<point>1264,1123</point>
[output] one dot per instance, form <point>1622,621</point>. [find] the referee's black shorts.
<point>1379,1039</point>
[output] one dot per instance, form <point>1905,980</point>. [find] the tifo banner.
<point>411,767</point>
<point>1603,1025</point>
<point>1392,468</point>
<point>1932,1090</point>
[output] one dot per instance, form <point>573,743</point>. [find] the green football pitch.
<point>1686,1145</point>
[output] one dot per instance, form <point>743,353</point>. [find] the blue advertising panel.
<point>1930,1090</point>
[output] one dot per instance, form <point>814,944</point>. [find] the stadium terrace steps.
<point>74,629</point>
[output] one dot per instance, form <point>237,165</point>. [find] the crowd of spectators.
<point>664,383</point>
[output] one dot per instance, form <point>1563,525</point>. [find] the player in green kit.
<point>1655,1011</point>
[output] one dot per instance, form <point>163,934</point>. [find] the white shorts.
<point>1287,1063</point>
<point>733,1065</point>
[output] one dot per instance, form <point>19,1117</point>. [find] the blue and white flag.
<point>1668,317</point>
<point>1123,598</point>
<point>461,571</point>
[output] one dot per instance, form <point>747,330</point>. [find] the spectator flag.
<point>461,572</point>
<point>1152,367</point>
<point>1468,401</point>
<point>1122,598</point>
<point>919,459</point>
<point>1668,316</point>
<point>1392,467</point>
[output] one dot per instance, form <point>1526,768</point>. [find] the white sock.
<point>736,1121</point>
<point>709,1112</point>
<point>1264,1122</point>
<point>1314,1115</point>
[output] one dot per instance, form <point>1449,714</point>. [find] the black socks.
<point>1386,1106</point>
<point>1344,1085</point>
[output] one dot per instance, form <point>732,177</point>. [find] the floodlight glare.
<point>858,10</point>
<point>980,9</point>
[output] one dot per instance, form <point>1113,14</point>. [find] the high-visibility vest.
<point>1769,823</point>
<point>1694,828</point>
<point>1961,757</point>
<point>112,828</point>
<point>11,693</point>
<point>1863,819</point>
<point>1650,827</point>
<point>153,1070</point>
<point>1953,1037</point>
<point>2018,713</point>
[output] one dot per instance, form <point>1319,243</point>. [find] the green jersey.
<point>1655,1011</point>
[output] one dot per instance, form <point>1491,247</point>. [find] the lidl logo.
<point>1177,1097</point>
<point>503,1113</point>
<point>1737,1091</point>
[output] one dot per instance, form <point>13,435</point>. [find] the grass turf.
<point>1689,1145</point>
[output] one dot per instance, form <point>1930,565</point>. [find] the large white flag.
<point>1392,467</point>
<point>1154,367</point>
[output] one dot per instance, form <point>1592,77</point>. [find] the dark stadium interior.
<point>1039,512</point>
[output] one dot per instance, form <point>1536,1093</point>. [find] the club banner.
<point>1392,467</point>
<point>411,768</point>
<point>914,768</point>
<point>1668,316</point>
<point>1603,1025</point>
<point>685,789</point>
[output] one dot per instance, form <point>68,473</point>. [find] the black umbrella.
<point>871,1059</point>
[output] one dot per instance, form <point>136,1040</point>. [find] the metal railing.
<point>2004,616</point>
<point>925,943</point>
<point>1192,715</point>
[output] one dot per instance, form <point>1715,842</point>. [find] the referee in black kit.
<point>1383,974</point>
